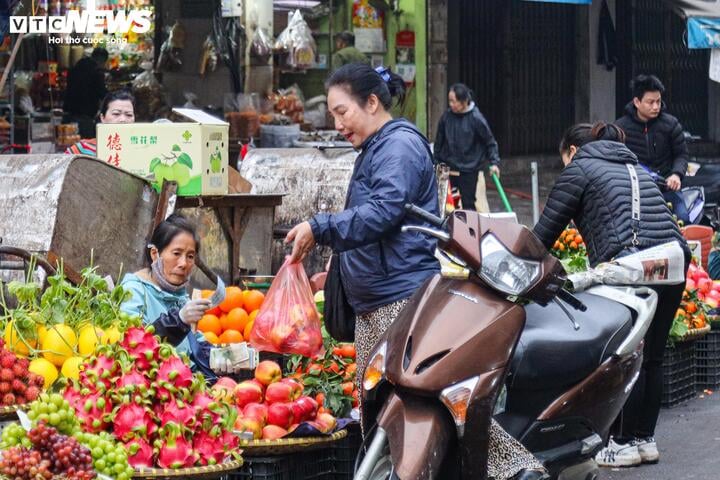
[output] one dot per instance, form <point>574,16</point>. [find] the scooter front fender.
<point>419,432</point>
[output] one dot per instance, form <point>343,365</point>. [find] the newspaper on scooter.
<point>661,265</point>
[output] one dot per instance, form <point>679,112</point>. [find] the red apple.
<point>268,372</point>
<point>309,407</point>
<point>297,387</point>
<point>273,432</point>
<point>258,383</point>
<point>223,389</point>
<point>278,392</point>
<point>704,285</point>
<point>298,412</point>
<point>247,392</point>
<point>327,421</point>
<point>690,284</point>
<point>252,425</point>
<point>280,414</point>
<point>256,410</point>
<point>713,294</point>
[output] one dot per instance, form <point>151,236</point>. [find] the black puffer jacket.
<point>659,144</point>
<point>595,191</point>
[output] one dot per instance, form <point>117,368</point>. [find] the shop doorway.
<point>519,59</point>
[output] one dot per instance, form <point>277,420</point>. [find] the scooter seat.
<point>551,353</point>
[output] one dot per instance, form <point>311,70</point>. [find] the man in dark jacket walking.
<point>656,137</point>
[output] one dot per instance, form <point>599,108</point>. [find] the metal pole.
<point>535,192</point>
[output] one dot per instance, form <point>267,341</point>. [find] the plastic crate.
<point>707,360</point>
<point>678,374</point>
<point>345,451</point>
<point>309,465</point>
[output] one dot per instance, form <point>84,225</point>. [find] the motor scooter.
<point>432,382</point>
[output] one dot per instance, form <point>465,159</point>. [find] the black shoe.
<point>525,474</point>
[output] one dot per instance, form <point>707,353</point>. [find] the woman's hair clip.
<point>151,245</point>
<point>384,73</point>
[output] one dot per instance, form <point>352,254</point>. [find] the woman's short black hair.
<point>462,92</point>
<point>584,133</point>
<point>115,96</point>
<point>164,234</point>
<point>362,81</point>
<point>643,84</point>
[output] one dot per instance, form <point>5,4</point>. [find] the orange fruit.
<point>578,239</point>
<point>211,337</point>
<point>233,299</point>
<point>236,319</point>
<point>231,336</point>
<point>254,314</point>
<point>248,328</point>
<point>252,299</point>
<point>210,323</point>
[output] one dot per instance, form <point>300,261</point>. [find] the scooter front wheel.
<point>376,463</point>
<point>384,469</point>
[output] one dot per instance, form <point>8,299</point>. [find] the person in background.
<point>160,291</point>
<point>714,258</point>
<point>656,138</point>
<point>345,51</point>
<point>381,266</point>
<point>465,142</point>
<point>117,107</point>
<point>595,191</point>
<point>85,89</point>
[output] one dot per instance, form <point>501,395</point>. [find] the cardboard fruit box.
<point>194,154</point>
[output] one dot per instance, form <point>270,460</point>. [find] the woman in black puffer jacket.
<point>594,190</point>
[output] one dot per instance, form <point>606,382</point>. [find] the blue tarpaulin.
<point>703,32</point>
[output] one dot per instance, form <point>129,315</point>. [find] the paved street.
<point>688,437</point>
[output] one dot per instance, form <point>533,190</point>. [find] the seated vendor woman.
<point>159,292</point>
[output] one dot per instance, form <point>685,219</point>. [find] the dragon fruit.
<point>210,449</point>
<point>73,397</point>
<point>132,382</point>
<point>94,412</point>
<point>173,373</point>
<point>174,451</point>
<point>132,420</point>
<point>178,412</point>
<point>140,453</point>
<point>99,373</point>
<point>142,346</point>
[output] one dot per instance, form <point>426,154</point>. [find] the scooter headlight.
<point>375,369</point>
<point>503,270</point>
<point>457,398</point>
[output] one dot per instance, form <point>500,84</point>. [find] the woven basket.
<point>282,446</point>
<point>695,333</point>
<point>195,473</point>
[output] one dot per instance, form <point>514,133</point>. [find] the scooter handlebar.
<point>420,214</point>
<point>571,300</point>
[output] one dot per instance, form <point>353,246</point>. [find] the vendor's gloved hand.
<point>194,310</point>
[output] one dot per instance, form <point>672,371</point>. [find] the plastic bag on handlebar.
<point>288,321</point>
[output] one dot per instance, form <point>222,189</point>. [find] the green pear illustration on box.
<point>192,154</point>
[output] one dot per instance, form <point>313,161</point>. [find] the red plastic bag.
<point>288,321</point>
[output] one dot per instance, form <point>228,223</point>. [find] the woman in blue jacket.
<point>380,266</point>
